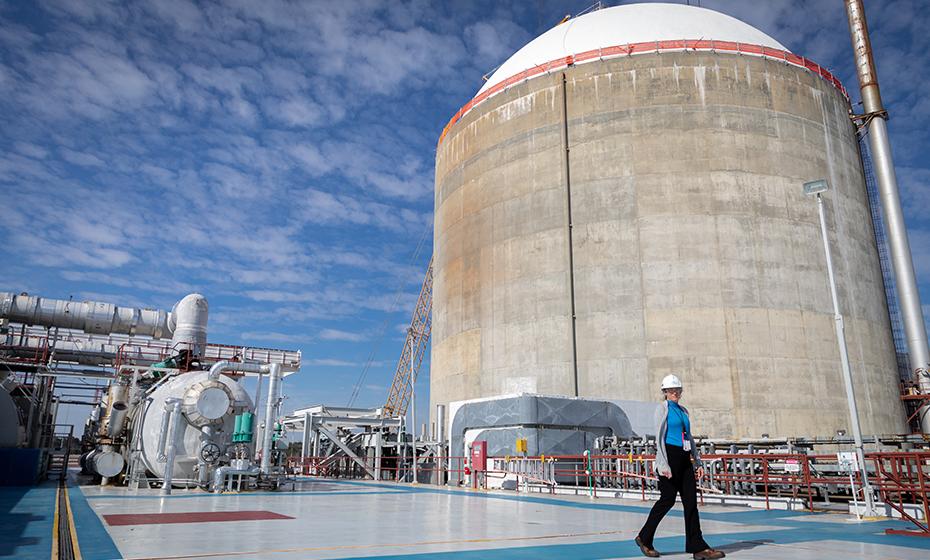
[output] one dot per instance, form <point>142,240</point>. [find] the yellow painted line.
<point>55,527</point>
<point>388,545</point>
<point>74,540</point>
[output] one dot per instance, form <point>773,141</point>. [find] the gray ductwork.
<point>552,425</point>
<point>186,324</point>
<point>93,317</point>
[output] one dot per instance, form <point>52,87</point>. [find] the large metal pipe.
<point>188,323</point>
<point>274,375</point>
<point>89,316</point>
<point>441,423</point>
<point>116,420</point>
<point>906,280</point>
<point>274,378</point>
<point>174,405</point>
<point>206,437</point>
<point>163,435</point>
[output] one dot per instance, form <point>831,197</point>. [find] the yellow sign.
<point>521,445</point>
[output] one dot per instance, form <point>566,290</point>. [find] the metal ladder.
<point>58,446</point>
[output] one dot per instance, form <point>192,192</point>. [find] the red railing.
<point>33,349</point>
<point>646,48</point>
<point>392,467</point>
<point>901,479</point>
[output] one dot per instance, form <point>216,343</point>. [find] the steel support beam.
<point>345,448</point>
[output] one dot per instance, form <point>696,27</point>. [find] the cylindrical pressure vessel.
<point>204,402</point>
<point>623,200</point>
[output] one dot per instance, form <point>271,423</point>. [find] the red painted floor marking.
<point>190,517</point>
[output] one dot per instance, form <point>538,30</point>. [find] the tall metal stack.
<point>622,200</point>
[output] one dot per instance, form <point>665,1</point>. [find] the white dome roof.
<point>632,23</point>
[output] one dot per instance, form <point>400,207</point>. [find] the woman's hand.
<point>700,472</point>
<point>667,473</point>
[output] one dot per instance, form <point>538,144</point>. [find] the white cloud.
<point>332,362</point>
<point>297,112</point>
<point>185,15</point>
<point>334,334</point>
<point>31,150</point>
<point>81,158</point>
<point>264,336</point>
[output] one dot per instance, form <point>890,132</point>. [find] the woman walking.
<point>675,450</point>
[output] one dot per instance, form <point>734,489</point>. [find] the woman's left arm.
<point>699,465</point>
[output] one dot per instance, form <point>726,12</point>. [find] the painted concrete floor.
<point>352,519</point>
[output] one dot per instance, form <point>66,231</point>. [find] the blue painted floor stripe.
<point>93,538</point>
<point>26,519</point>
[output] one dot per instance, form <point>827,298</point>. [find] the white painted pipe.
<point>274,374</point>
<point>163,434</point>
<point>274,378</point>
<point>225,365</point>
<point>206,437</point>
<point>176,430</point>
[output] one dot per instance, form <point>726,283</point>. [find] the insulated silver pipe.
<point>176,429</point>
<point>116,419</point>
<point>163,434</point>
<point>274,378</point>
<point>441,423</point>
<point>206,436</point>
<point>93,317</point>
<point>188,324</point>
<point>906,280</point>
<point>274,373</point>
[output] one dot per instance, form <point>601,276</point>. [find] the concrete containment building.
<point>623,200</point>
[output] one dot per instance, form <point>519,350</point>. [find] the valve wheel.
<point>210,452</point>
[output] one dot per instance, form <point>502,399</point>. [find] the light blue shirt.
<point>677,423</point>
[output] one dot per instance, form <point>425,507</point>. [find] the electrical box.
<point>479,456</point>
<point>521,445</point>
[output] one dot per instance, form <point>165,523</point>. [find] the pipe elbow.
<point>218,368</point>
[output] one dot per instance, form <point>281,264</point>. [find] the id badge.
<point>685,442</point>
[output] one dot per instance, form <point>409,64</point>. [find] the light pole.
<point>817,188</point>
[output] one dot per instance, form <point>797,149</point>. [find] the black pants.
<point>682,482</point>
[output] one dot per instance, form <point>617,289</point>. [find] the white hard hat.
<point>671,382</point>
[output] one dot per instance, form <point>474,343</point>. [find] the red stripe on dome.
<point>647,47</point>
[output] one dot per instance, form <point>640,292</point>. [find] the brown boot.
<point>648,552</point>
<point>709,554</point>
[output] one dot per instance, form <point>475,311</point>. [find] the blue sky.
<point>277,157</point>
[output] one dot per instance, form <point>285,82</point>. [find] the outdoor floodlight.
<point>816,187</point>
